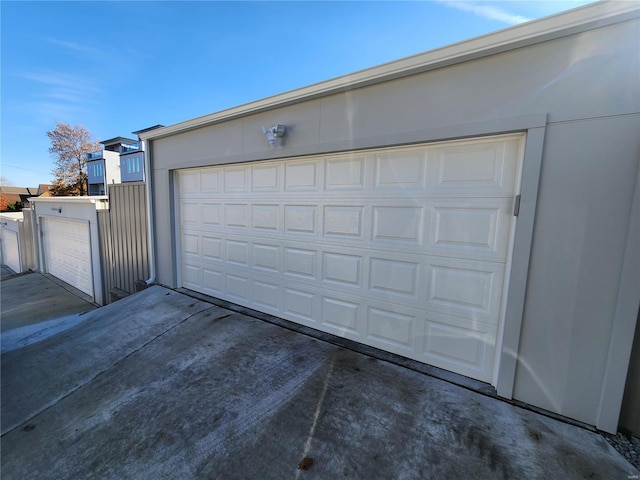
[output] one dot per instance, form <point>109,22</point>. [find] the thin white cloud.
<point>488,12</point>
<point>102,54</point>
<point>76,47</point>
<point>56,96</point>
<point>62,86</point>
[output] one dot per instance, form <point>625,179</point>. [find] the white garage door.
<point>67,252</point>
<point>10,249</point>
<point>404,249</point>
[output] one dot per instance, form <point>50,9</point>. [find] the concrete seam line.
<point>100,373</point>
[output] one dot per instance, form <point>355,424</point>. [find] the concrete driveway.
<point>35,306</point>
<point>160,385</point>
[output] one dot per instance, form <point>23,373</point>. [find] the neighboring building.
<point>44,190</point>
<point>121,161</point>
<point>132,165</point>
<point>475,208</point>
<point>12,196</point>
<point>132,159</point>
<point>103,166</point>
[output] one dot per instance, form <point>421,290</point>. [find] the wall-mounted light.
<point>56,209</point>
<point>274,134</point>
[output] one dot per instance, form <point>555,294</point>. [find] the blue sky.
<point>117,67</point>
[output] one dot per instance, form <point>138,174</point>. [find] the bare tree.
<point>69,146</point>
<point>5,182</point>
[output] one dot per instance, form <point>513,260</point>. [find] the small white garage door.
<point>10,249</point>
<point>67,252</point>
<point>404,249</point>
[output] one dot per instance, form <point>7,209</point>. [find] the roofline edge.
<point>551,27</point>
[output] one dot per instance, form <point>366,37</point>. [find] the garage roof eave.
<point>580,19</point>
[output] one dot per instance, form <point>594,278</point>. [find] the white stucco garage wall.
<point>574,90</point>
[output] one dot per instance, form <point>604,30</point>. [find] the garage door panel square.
<point>210,181</point>
<point>342,269</point>
<point>298,303</point>
<point>211,248</point>
<point>236,215</point>
<point>489,166</point>
<point>464,165</point>
<point>189,181</point>
<point>345,174</point>
<point>400,170</point>
<point>266,295</point>
<point>453,344</point>
<point>465,228</point>
<point>190,213</point>
<point>265,178</point>
<point>265,257</point>
<point>300,219</point>
<point>461,289</point>
<point>343,221</point>
<point>390,327</point>
<point>191,275</point>
<point>236,179</point>
<point>393,277</point>
<point>301,176</point>
<point>265,217</point>
<point>238,286</point>
<point>397,224</point>
<point>340,314</point>
<point>211,214</point>
<point>237,252</point>
<point>213,281</point>
<point>190,244</point>
<point>300,262</point>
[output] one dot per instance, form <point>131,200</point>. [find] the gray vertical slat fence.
<point>123,239</point>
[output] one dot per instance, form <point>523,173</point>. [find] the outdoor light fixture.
<point>274,133</point>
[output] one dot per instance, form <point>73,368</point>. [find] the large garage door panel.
<point>10,249</point>
<point>461,228</point>
<point>461,287</point>
<point>67,252</point>
<point>481,168</point>
<point>402,249</point>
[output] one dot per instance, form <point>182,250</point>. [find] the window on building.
<point>95,170</point>
<point>133,165</point>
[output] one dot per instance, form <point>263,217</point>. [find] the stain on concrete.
<point>200,397</point>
